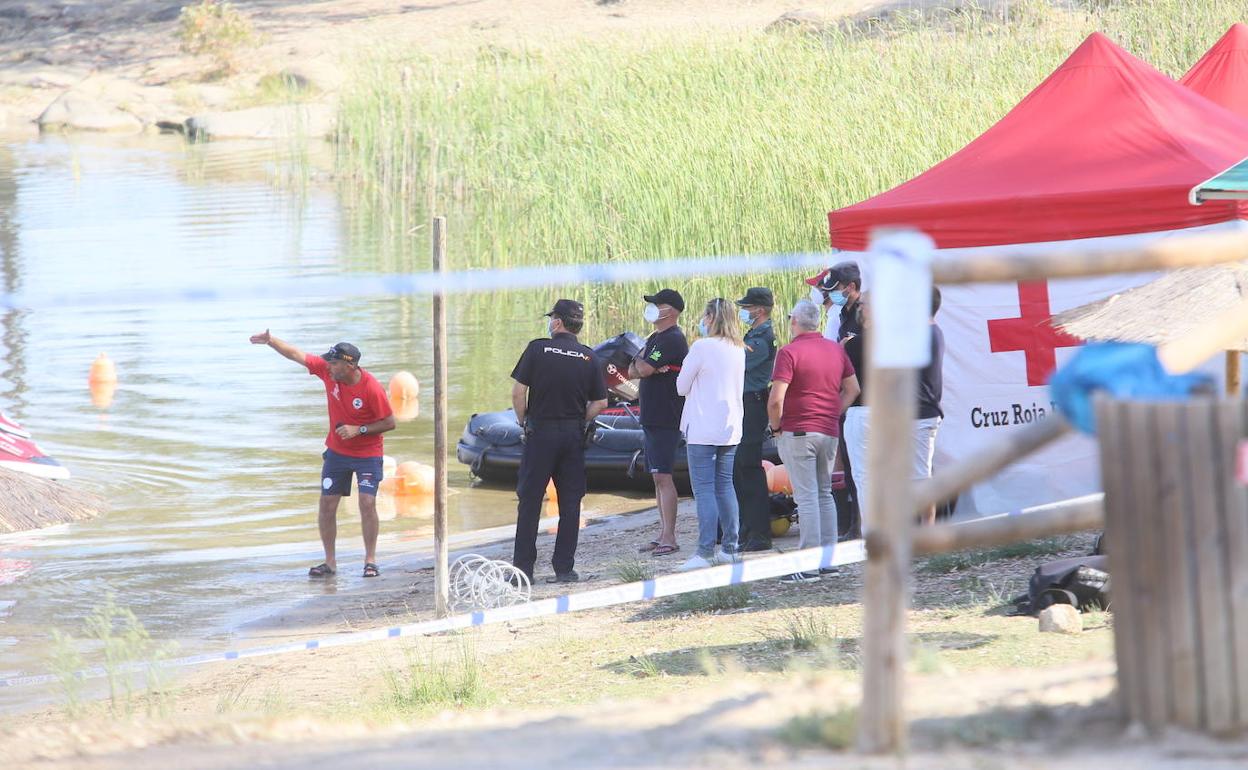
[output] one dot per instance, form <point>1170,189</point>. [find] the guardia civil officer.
<point>558,392</point>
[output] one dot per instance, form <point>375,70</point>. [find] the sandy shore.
<point>125,53</point>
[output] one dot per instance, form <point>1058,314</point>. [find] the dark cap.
<point>343,351</point>
<point>758,297</point>
<point>568,310</point>
<point>667,297</point>
<point>846,273</point>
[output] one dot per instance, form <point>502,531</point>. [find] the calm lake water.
<point>209,455</point>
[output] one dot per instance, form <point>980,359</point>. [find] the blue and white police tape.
<point>461,282</point>
<point>807,560</point>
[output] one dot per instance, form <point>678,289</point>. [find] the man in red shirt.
<point>359,412</point>
<point>811,381</point>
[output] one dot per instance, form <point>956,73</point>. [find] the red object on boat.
<point>20,453</point>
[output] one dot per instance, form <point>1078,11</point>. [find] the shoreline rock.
<point>313,121</point>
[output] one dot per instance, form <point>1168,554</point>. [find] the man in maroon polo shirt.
<point>359,412</point>
<point>811,380</point>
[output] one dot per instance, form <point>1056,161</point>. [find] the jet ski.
<point>20,453</point>
<point>490,445</point>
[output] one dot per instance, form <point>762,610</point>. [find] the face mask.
<point>702,328</point>
<point>652,313</point>
<point>744,315</point>
<point>816,296</point>
<point>838,299</point>
<point>550,328</point>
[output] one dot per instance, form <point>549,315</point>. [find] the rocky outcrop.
<point>312,121</point>
<point>76,111</point>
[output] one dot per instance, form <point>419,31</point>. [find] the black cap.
<point>568,310</point>
<point>758,296</point>
<point>343,351</point>
<point>844,274</point>
<point>667,297</point>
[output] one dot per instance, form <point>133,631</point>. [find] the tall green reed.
<point>677,146</point>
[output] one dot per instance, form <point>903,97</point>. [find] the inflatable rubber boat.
<point>20,453</point>
<point>490,445</point>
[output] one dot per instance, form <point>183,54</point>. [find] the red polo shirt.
<point>814,368</point>
<point>363,403</point>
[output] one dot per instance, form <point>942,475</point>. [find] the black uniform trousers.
<point>748,477</point>
<point>554,449</point>
<point>848,517</point>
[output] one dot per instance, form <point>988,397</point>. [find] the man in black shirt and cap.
<point>558,392</point>
<point>839,288</point>
<point>658,366</point>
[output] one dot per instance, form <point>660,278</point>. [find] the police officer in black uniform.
<point>558,392</point>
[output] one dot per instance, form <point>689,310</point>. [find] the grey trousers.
<point>808,459</point>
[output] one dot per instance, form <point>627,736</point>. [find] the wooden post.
<point>891,395</point>
<point>441,554</point>
<point>899,342</point>
<point>1167,254</point>
<point>1232,373</point>
<point>1057,519</point>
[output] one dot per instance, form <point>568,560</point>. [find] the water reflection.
<point>209,455</point>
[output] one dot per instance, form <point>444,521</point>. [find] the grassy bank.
<point>588,152</point>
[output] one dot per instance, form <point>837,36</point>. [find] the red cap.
<point>818,278</point>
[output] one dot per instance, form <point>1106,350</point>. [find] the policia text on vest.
<point>558,392</point>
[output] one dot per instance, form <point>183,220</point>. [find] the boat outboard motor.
<point>615,355</point>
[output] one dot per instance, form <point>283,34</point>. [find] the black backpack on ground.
<point>1082,582</point>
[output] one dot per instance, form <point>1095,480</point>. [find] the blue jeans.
<point>710,475</point>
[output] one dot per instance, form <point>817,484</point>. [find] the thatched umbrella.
<point>27,502</point>
<point>1166,309</point>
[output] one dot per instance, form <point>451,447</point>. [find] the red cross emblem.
<point>1031,332</point>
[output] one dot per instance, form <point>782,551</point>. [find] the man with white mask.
<point>657,366</point>
<point>838,289</point>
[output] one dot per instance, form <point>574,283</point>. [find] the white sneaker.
<point>724,557</point>
<point>695,562</point>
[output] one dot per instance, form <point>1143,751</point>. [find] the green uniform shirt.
<point>760,356</point>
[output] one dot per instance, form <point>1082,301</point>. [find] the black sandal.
<point>321,570</point>
<point>370,570</point>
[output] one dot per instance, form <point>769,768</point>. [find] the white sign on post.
<point>900,281</point>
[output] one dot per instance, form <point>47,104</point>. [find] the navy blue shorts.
<point>660,444</point>
<point>337,469</point>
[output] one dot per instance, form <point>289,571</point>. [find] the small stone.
<point>1061,619</point>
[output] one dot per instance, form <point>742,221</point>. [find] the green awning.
<point>1230,185</point>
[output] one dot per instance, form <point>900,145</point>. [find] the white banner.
<point>999,351</point>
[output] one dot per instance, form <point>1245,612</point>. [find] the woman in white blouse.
<point>712,378</point>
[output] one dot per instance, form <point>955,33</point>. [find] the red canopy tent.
<point>1105,149</point>
<point>1106,145</point>
<point>1221,75</point>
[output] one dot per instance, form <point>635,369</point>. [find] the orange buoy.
<point>551,494</point>
<point>388,467</point>
<point>102,394</point>
<point>102,381</point>
<point>388,486</point>
<point>413,506</point>
<point>414,478</point>
<point>767,466</point>
<point>404,391</point>
<point>778,481</point>
<point>102,370</point>
<point>404,411</point>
